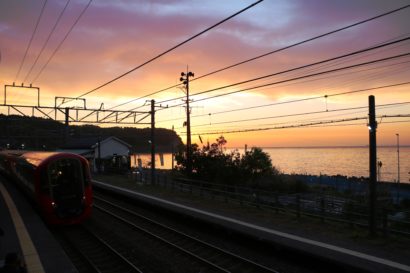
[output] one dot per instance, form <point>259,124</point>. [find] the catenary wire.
<point>332,64</point>
<point>269,53</point>
<point>324,96</point>
<point>292,79</point>
<point>298,125</point>
<point>310,98</point>
<point>47,40</point>
<point>292,69</point>
<point>378,107</point>
<point>294,101</point>
<point>295,78</point>
<point>356,124</point>
<point>221,132</point>
<point>62,41</point>
<point>31,39</point>
<point>299,114</point>
<point>306,76</point>
<point>350,59</point>
<point>169,50</point>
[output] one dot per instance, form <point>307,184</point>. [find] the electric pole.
<point>372,166</point>
<point>66,124</point>
<point>398,169</point>
<point>99,155</point>
<point>152,140</point>
<point>185,80</point>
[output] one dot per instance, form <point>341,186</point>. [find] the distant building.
<point>109,154</point>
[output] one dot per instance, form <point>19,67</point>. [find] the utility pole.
<point>372,166</point>
<point>99,155</point>
<point>398,169</point>
<point>185,80</point>
<point>66,123</point>
<point>173,151</point>
<point>152,141</point>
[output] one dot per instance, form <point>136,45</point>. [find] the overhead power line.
<point>308,80</point>
<point>356,124</point>
<point>294,69</point>
<point>351,124</point>
<point>311,124</point>
<point>47,40</point>
<point>292,101</point>
<point>280,127</point>
<point>299,78</point>
<point>312,119</point>
<point>304,41</point>
<point>62,41</point>
<point>269,53</point>
<point>169,50</point>
<point>301,114</point>
<point>31,40</point>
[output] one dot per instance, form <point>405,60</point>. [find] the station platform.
<point>25,234</point>
<point>353,260</point>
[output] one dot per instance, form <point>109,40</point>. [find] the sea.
<point>345,161</point>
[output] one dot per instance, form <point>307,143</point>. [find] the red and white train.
<point>59,183</point>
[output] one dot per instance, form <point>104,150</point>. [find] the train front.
<point>64,188</point>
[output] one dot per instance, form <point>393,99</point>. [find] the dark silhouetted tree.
<point>211,164</point>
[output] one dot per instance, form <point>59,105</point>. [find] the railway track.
<point>90,253</point>
<point>200,255</point>
<point>155,239</point>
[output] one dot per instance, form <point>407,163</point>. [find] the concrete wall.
<point>111,147</point>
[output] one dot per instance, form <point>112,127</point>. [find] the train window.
<point>86,175</point>
<point>64,172</point>
<point>44,185</point>
<point>25,172</point>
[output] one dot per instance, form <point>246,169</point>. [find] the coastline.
<point>318,147</point>
<point>358,185</point>
<point>341,161</point>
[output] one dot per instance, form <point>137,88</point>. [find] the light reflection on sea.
<point>343,161</point>
<point>347,161</point>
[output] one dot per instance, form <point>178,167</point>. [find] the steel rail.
<point>261,268</point>
<point>99,240</point>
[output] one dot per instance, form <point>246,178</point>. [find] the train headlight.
<point>53,204</point>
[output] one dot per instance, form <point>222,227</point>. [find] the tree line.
<point>34,133</point>
<point>253,168</point>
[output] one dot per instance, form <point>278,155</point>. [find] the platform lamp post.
<point>398,168</point>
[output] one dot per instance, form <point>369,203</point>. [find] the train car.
<point>59,183</point>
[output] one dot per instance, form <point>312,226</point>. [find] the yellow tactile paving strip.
<point>30,254</point>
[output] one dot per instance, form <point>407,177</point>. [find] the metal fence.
<point>324,206</point>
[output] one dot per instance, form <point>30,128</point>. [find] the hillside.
<point>46,134</point>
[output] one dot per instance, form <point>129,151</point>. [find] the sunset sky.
<point>113,37</point>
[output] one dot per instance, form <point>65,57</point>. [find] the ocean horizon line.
<point>318,147</point>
